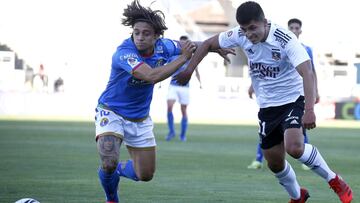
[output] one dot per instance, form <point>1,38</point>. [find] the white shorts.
<point>179,93</point>
<point>134,134</point>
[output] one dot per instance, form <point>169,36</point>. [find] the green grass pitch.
<point>57,162</point>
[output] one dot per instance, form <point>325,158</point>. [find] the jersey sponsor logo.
<point>263,71</point>
<point>137,82</point>
<point>281,37</point>
<point>128,55</point>
<point>159,49</point>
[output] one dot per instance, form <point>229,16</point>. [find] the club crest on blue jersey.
<point>276,55</point>
<point>132,61</point>
<point>104,122</point>
<point>160,62</point>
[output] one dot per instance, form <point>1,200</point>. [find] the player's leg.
<point>184,122</point>
<point>257,163</point>
<point>108,147</point>
<point>108,140</point>
<point>140,141</point>
<point>283,171</point>
<point>306,140</point>
<point>271,132</point>
<point>170,119</point>
<point>144,162</point>
<point>184,98</point>
<point>309,155</point>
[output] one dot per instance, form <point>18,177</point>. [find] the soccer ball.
<point>27,200</point>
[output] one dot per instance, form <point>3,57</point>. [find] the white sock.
<point>287,179</point>
<point>313,159</point>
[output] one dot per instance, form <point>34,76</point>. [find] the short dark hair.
<point>136,13</point>
<point>183,37</point>
<point>294,20</point>
<point>249,11</point>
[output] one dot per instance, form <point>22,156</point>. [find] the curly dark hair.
<point>135,13</point>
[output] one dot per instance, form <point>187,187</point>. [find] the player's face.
<point>295,28</point>
<point>144,37</point>
<point>255,31</point>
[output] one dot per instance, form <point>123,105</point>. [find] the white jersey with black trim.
<point>271,64</point>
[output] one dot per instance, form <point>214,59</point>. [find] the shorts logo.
<point>294,122</point>
<point>104,122</point>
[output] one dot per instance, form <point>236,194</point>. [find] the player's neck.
<point>147,52</point>
<point>267,30</point>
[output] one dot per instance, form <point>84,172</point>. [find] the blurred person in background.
<point>178,93</point>
<point>294,25</point>
<point>283,80</point>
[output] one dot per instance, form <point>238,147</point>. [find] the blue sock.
<point>259,154</point>
<point>128,171</point>
<point>170,118</point>
<point>110,184</point>
<point>306,139</point>
<point>184,124</point>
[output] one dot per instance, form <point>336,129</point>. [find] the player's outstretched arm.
<point>209,45</point>
<point>154,75</point>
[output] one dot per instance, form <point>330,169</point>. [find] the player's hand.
<point>317,99</point>
<point>187,49</point>
<point>309,119</point>
<point>183,77</point>
<point>224,53</point>
<point>251,91</point>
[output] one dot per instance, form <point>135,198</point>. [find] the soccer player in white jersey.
<point>179,93</point>
<point>283,80</point>
<point>294,25</point>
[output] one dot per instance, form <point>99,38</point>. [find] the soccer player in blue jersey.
<point>178,93</point>
<point>123,108</point>
<point>282,77</point>
<point>122,114</point>
<point>294,25</point>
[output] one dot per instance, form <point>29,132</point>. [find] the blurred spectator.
<point>59,85</point>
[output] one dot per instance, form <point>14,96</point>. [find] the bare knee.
<point>276,166</point>
<point>109,164</point>
<point>295,150</point>
<point>146,176</point>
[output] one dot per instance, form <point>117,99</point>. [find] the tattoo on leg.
<point>109,150</point>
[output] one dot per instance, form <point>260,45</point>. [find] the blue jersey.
<point>126,95</point>
<point>309,51</point>
<point>173,80</point>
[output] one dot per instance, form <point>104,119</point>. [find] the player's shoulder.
<point>234,32</point>
<point>280,35</point>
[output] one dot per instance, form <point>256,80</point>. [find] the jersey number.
<point>262,128</point>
